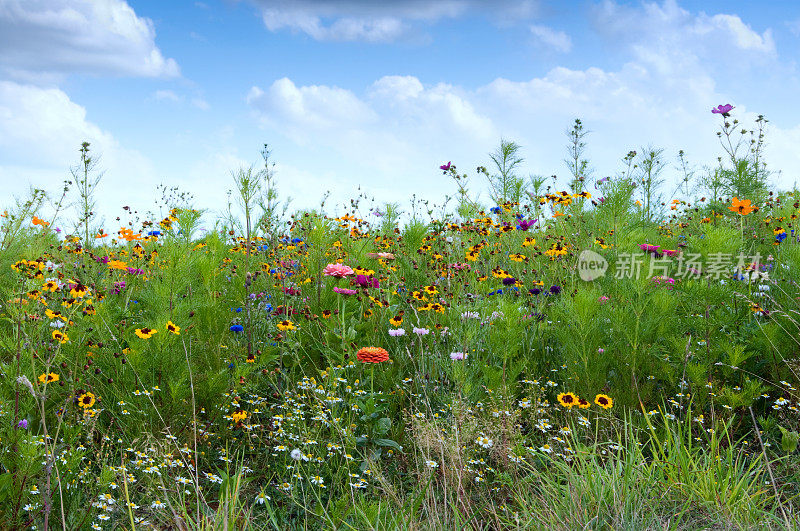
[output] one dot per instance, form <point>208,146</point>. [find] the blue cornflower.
<point>237,328</point>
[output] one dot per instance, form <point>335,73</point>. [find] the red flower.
<point>372,355</point>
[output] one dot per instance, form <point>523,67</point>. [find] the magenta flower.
<point>445,167</point>
<point>649,248</point>
<point>724,110</point>
<point>366,282</point>
<point>525,224</point>
<point>337,270</point>
<point>345,291</point>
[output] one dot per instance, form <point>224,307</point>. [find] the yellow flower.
<point>238,416</point>
<point>60,336</point>
<point>172,327</point>
<point>48,378</point>
<point>568,400</point>
<point>145,333</point>
<point>86,400</point>
<point>603,401</point>
<point>286,325</point>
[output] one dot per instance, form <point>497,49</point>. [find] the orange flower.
<point>372,355</point>
<point>39,221</point>
<point>741,207</point>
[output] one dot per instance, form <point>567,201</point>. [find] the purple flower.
<point>367,282</point>
<point>457,356</point>
<point>23,424</point>
<point>509,281</point>
<point>421,331</point>
<point>525,224</point>
<point>345,291</point>
<point>445,167</point>
<point>724,110</point>
<point>535,291</point>
<point>555,290</point>
<point>396,332</point>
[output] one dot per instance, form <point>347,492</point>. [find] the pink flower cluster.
<point>661,280</point>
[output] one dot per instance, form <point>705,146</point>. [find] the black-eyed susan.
<point>48,378</point>
<point>431,290</point>
<point>604,401</point>
<point>61,337</point>
<point>86,400</point>
<point>326,314</point>
<point>568,400</point>
<point>172,327</point>
<point>145,333</point>
<point>397,320</point>
<point>285,325</point>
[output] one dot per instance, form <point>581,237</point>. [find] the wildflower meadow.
<point>621,353</point>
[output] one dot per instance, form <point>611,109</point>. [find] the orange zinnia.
<point>742,207</point>
<point>372,355</point>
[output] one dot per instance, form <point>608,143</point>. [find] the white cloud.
<point>54,37</point>
<point>40,133</point>
<point>666,36</point>
<point>558,40</point>
<point>398,129</point>
<point>166,95</point>
<point>314,107</point>
<point>744,37</point>
<point>171,96</point>
<point>384,21</point>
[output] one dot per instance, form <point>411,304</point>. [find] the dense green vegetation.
<point>448,368</point>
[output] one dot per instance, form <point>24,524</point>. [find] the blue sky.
<point>378,94</point>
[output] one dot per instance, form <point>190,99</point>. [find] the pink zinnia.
<point>345,291</point>
<point>337,270</point>
<point>649,248</point>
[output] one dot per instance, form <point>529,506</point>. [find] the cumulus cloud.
<point>399,128</point>
<point>394,131</point>
<point>557,40</point>
<point>668,36</point>
<point>40,133</point>
<point>55,37</point>
<point>384,21</point>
